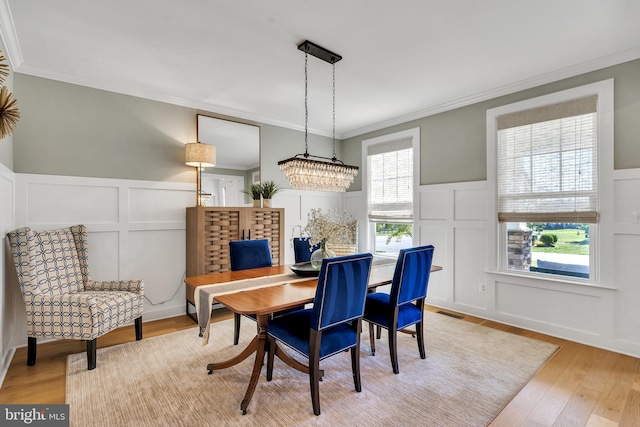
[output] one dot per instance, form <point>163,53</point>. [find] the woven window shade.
<point>547,163</point>
<point>390,181</point>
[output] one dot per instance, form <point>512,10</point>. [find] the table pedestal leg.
<point>256,345</point>
<point>261,342</point>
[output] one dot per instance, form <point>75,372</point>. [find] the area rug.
<point>471,372</point>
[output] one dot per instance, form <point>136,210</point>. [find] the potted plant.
<point>269,189</point>
<point>254,191</point>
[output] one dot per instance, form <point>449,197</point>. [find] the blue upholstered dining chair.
<point>302,249</point>
<point>246,254</point>
<point>332,325</point>
<point>404,305</point>
<point>62,301</point>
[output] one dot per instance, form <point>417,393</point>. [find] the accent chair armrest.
<point>134,286</point>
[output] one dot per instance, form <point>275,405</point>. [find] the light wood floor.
<point>578,386</point>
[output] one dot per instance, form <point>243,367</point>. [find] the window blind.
<point>547,163</point>
<point>390,181</point>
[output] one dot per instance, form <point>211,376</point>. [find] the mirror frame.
<point>248,177</point>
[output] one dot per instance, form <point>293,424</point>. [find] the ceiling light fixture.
<point>307,172</point>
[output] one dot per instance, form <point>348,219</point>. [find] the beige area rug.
<point>470,373</point>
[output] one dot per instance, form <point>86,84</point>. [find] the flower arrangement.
<point>329,228</point>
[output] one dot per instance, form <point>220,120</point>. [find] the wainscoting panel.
<point>438,281</point>
<point>469,268</point>
<point>8,281</point>
<point>627,302</point>
<point>152,205</point>
<point>162,270</point>
<point>626,206</point>
<point>559,309</point>
<point>104,248</point>
<point>469,205</point>
<point>434,204</point>
<point>67,202</point>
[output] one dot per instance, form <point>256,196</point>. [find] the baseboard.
<point>6,362</point>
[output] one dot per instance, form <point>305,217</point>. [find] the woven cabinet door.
<point>268,223</point>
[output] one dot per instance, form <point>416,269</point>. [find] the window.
<point>390,189</point>
<point>547,181</point>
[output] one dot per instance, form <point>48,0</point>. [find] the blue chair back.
<point>302,249</point>
<point>245,254</point>
<point>411,276</point>
<point>341,290</point>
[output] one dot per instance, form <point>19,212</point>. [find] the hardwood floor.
<point>578,386</point>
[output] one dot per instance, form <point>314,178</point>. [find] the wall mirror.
<point>237,160</point>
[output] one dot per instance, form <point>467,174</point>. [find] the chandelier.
<point>307,172</point>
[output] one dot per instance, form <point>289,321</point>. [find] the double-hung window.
<point>548,186</point>
<point>390,186</point>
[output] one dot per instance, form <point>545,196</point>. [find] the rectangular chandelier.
<point>318,173</point>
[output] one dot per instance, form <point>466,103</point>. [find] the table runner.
<point>205,295</point>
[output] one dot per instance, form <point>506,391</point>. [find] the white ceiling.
<point>401,60</point>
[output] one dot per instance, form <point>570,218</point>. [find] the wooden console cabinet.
<point>210,229</point>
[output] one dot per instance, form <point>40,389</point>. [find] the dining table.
<point>260,293</point>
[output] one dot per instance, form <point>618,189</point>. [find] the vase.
<point>266,203</point>
<point>319,254</point>
<point>256,203</point>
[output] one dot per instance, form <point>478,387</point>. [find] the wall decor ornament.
<point>9,114</point>
<point>4,69</point>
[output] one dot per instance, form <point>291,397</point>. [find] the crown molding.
<point>585,67</point>
<point>15,57</point>
<point>130,90</point>
<point>9,36</point>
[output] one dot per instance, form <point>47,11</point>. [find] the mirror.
<point>237,160</point>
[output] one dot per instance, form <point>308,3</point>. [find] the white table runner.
<point>204,297</point>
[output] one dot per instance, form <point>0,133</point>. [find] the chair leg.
<point>236,328</point>
<point>372,339</point>
<point>355,357</point>
<point>138,328</point>
<point>91,353</point>
<point>393,350</point>
<point>270,356</point>
<point>379,332</point>
<point>420,334</point>
<point>314,369</point>
<point>31,350</point>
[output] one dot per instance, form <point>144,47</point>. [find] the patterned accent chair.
<point>61,299</point>
<point>302,249</point>
<point>404,305</point>
<point>246,254</point>
<point>332,325</point>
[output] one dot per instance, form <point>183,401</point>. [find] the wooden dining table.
<point>262,302</point>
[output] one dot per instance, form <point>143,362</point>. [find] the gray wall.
<point>453,143</point>
<point>6,143</point>
<point>74,130</point>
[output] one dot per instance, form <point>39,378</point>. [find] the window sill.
<point>550,278</point>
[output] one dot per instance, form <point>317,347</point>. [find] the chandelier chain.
<point>306,104</point>
<point>334,111</point>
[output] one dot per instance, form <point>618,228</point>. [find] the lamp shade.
<point>200,155</point>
